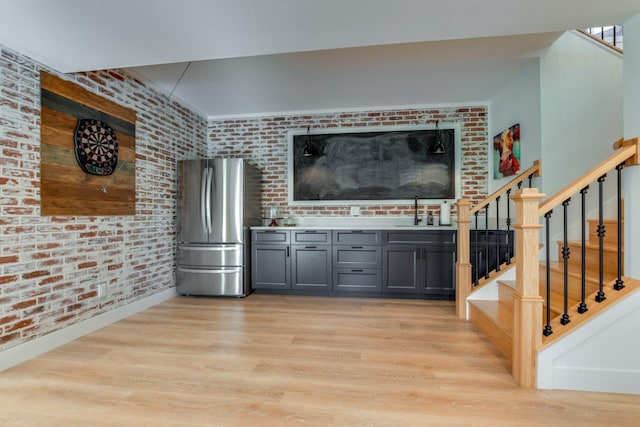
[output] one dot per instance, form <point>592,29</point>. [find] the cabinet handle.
<point>357,271</point>
<point>310,231</point>
<point>269,231</point>
<point>356,247</point>
<point>287,251</point>
<point>357,231</point>
<point>311,247</point>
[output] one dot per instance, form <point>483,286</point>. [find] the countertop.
<point>360,227</point>
<point>360,223</point>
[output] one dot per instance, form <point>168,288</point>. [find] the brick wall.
<point>50,266</point>
<point>263,140</point>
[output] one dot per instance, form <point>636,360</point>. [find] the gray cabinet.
<point>357,256</point>
<point>404,262</point>
<point>403,268</point>
<point>270,259</point>
<point>311,260</point>
<point>420,262</point>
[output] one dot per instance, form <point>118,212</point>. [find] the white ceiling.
<point>253,56</point>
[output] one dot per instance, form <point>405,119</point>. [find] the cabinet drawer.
<point>311,236</point>
<point>356,237</point>
<point>354,256</point>
<point>270,236</point>
<point>357,280</point>
<point>431,236</point>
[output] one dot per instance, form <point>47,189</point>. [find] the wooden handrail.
<point>619,143</point>
<point>602,42</point>
<point>629,150</point>
<point>533,170</point>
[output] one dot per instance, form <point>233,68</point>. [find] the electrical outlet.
<point>355,210</point>
<point>102,291</point>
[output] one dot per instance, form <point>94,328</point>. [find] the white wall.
<point>631,130</point>
<point>581,91</point>
<point>581,100</point>
<point>517,102</point>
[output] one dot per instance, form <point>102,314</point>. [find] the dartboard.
<point>96,147</point>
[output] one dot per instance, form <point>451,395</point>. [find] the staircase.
<point>531,306</point>
<point>495,317</point>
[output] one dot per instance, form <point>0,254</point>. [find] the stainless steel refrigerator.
<point>218,200</point>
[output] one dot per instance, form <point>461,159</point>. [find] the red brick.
<point>8,279</point>
<point>87,264</point>
<point>34,274</point>
<point>24,304</point>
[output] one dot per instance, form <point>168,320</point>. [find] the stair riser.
<point>610,235</point>
<point>495,334</point>
<point>592,260</point>
<point>557,284</point>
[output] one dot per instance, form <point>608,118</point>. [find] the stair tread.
<point>509,283</point>
<point>501,312</point>
<point>593,245</point>
<point>604,221</point>
<point>558,266</point>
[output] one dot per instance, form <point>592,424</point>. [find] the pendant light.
<point>307,151</point>
<point>438,147</point>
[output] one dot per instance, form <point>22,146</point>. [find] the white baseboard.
<point>23,352</point>
<point>600,380</point>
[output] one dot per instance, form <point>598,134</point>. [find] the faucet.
<point>416,220</point>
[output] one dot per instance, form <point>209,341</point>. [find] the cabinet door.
<point>311,267</point>
<point>270,267</point>
<point>439,271</point>
<point>401,269</point>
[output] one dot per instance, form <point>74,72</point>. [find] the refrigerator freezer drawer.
<point>214,281</point>
<point>205,255</point>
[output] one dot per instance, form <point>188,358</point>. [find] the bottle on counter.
<point>429,218</point>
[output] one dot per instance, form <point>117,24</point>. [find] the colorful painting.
<point>506,152</point>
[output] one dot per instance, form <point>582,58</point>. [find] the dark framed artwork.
<point>385,165</point>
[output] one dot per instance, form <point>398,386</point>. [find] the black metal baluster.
<point>600,296</point>
<point>619,283</point>
<point>530,179</point>
<point>486,241</point>
<point>565,257</point>
<point>547,327</point>
<point>582,307</point>
<point>520,185</point>
<point>477,269</point>
<point>498,233</point>
<point>508,226</point>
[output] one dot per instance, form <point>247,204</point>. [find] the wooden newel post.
<point>463,266</point>
<point>527,302</point>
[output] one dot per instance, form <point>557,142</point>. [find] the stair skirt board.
<point>600,355</point>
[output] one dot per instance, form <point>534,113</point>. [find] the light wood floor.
<point>281,361</point>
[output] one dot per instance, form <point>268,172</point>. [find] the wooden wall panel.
<point>65,188</point>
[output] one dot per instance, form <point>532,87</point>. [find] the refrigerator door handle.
<point>203,195</point>
<point>211,248</point>
<point>208,200</point>
<point>210,270</point>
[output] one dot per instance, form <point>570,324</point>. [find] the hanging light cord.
<point>180,79</point>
